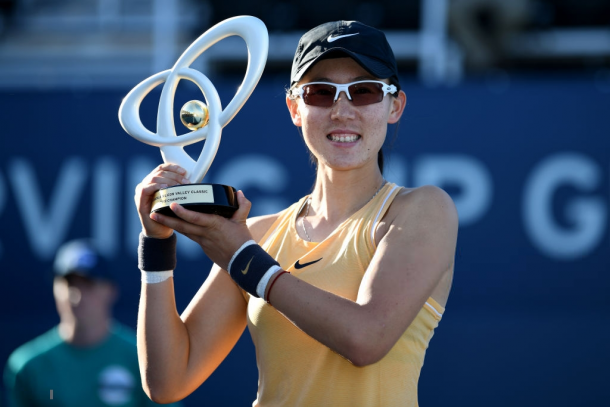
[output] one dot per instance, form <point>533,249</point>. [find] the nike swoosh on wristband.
<point>244,271</point>
<point>332,39</point>
<point>298,265</point>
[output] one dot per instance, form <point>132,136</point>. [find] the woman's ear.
<point>293,108</point>
<point>397,107</point>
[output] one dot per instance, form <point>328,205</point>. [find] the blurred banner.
<point>526,160</point>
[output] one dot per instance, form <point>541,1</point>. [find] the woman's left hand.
<point>218,237</point>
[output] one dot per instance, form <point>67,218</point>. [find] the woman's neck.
<point>339,194</point>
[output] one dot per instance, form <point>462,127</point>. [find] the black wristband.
<point>249,267</point>
<point>157,254</point>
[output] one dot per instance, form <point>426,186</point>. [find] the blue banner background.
<point>527,163</point>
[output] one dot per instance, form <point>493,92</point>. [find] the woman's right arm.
<point>177,353</point>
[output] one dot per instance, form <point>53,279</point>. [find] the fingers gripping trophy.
<point>205,122</point>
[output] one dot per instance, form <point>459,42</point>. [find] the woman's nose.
<point>343,107</point>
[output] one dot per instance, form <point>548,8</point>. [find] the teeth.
<point>344,139</point>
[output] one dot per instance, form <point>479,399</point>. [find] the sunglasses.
<point>361,93</point>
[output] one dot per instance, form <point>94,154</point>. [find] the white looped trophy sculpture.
<point>208,198</point>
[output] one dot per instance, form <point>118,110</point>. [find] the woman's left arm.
<point>411,258</point>
<point>416,251</point>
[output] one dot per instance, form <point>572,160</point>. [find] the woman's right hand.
<point>165,175</point>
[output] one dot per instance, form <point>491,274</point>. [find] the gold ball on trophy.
<point>194,114</point>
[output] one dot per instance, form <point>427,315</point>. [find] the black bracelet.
<point>157,254</point>
<point>249,267</point>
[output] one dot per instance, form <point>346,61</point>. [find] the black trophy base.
<point>205,198</point>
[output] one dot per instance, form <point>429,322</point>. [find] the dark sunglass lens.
<point>319,95</point>
<point>366,93</point>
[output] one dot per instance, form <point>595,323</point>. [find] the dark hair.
<point>380,160</point>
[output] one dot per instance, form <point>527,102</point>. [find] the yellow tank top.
<point>295,369</point>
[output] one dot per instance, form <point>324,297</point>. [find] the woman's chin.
<point>345,163</point>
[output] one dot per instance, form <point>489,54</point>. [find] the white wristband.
<point>262,284</point>
<point>153,277</point>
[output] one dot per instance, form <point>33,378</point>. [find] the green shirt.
<point>47,371</point>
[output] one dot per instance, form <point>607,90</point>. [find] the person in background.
<point>484,28</point>
<point>88,359</point>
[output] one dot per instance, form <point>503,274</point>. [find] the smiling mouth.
<point>343,139</point>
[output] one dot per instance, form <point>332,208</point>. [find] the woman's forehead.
<point>336,70</point>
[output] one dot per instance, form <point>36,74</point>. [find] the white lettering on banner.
<point>137,169</point>
<point>105,216</point>
<point>47,220</point>
<point>257,171</point>
<point>2,202</point>
<point>466,172</point>
<point>588,215</point>
<point>47,228</point>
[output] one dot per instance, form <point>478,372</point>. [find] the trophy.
<point>205,122</point>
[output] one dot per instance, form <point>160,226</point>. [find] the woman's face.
<point>344,136</point>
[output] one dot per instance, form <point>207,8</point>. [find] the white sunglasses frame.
<point>343,87</point>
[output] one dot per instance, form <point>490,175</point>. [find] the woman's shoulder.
<point>422,195</point>
<point>259,225</point>
<point>427,199</point>
<point>427,204</point>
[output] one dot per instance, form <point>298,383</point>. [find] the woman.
<point>370,264</point>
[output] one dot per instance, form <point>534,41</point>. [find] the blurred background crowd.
<point>508,110</point>
<point>53,43</point>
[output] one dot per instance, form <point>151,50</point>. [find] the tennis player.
<point>342,290</point>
